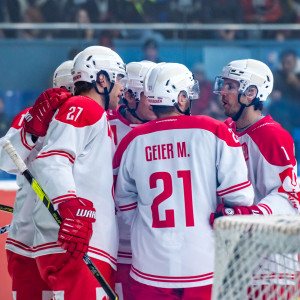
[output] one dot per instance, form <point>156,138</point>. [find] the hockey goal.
<point>256,257</point>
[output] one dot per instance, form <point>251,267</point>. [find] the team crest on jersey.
<point>290,186</point>
<point>245,151</point>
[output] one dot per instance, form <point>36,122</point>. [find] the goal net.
<point>256,257</point>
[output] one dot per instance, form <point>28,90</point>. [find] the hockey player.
<point>137,110</point>
<point>74,168</point>
<point>170,171</point>
<point>26,280</point>
<point>268,149</point>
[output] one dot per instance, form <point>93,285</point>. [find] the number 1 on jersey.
<point>166,193</point>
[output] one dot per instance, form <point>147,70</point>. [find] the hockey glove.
<point>40,115</point>
<point>76,228</point>
<point>230,211</point>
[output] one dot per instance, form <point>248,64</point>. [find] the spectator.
<point>48,8</point>
<point>130,11</point>
<point>81,16</point>
<point>106,39</point>
<point>32,14</point>
<point>269,11</point>
<point>287,80</point>
<point>150,50</point>
<point>9,11</point>
<point>91,6</point>
<point>285,103</point>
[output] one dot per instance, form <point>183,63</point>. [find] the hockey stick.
<point>6,208</point>
<point>4,229</point>
<point>13,154</point>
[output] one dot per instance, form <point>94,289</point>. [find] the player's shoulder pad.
<point>80,111</point>
<point>274,142</point>
<point>218,128</point>
<point>18,121</point>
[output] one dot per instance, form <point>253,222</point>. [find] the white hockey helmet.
<point>248,72</point>
<point>62,76</point>
<point>95,59</point>
<point>165,81</point>
<point>136,72</point>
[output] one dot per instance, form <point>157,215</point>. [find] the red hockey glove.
<point>40,115</point>
<point>230,211</point>
<point>76,228</point>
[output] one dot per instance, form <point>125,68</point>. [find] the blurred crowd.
<point>149,11</point>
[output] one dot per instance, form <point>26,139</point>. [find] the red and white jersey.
<point>76,160</point>
<point>21,234</point>
<point>270,157</point>
<point>171,173</point>
<point>120,127</point>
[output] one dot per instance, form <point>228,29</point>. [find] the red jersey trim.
<point>128,206</point>
<point>18,244</point>
<point>24,140</point>
<point>63,198</point>
<point>103,254</point>
<point>266,207</point>
<point>60,153</point>
<point>216,127</point>
<point>32,249</point>
<point>124,254</point>
<point>234,188</point>
<point>172,279</point>
<point>16,121</point>
<point>274,143</point>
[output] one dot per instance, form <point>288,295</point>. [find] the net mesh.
<point>257,257</point>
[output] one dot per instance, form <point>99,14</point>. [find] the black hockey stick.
<point>6,208</point>
<point>4,229</point>
<point>13,154</point>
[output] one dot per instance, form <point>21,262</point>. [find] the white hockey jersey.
<point>270,156</point>
<point>120,127</point>
<point>171,173</point>
<point>76,160</point>
<point>21,234</point>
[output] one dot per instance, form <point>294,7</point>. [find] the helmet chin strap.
<point>106,91</point>
<point>133,112</point>
<point>243,106</point>
<point>187,112</point>
<point>239,113</point>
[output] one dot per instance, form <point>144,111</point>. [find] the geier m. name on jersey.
<point>165,151</point>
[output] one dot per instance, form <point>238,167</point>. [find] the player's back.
<point>176,164</point>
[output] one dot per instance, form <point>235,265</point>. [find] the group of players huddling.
<point>138,185</point>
